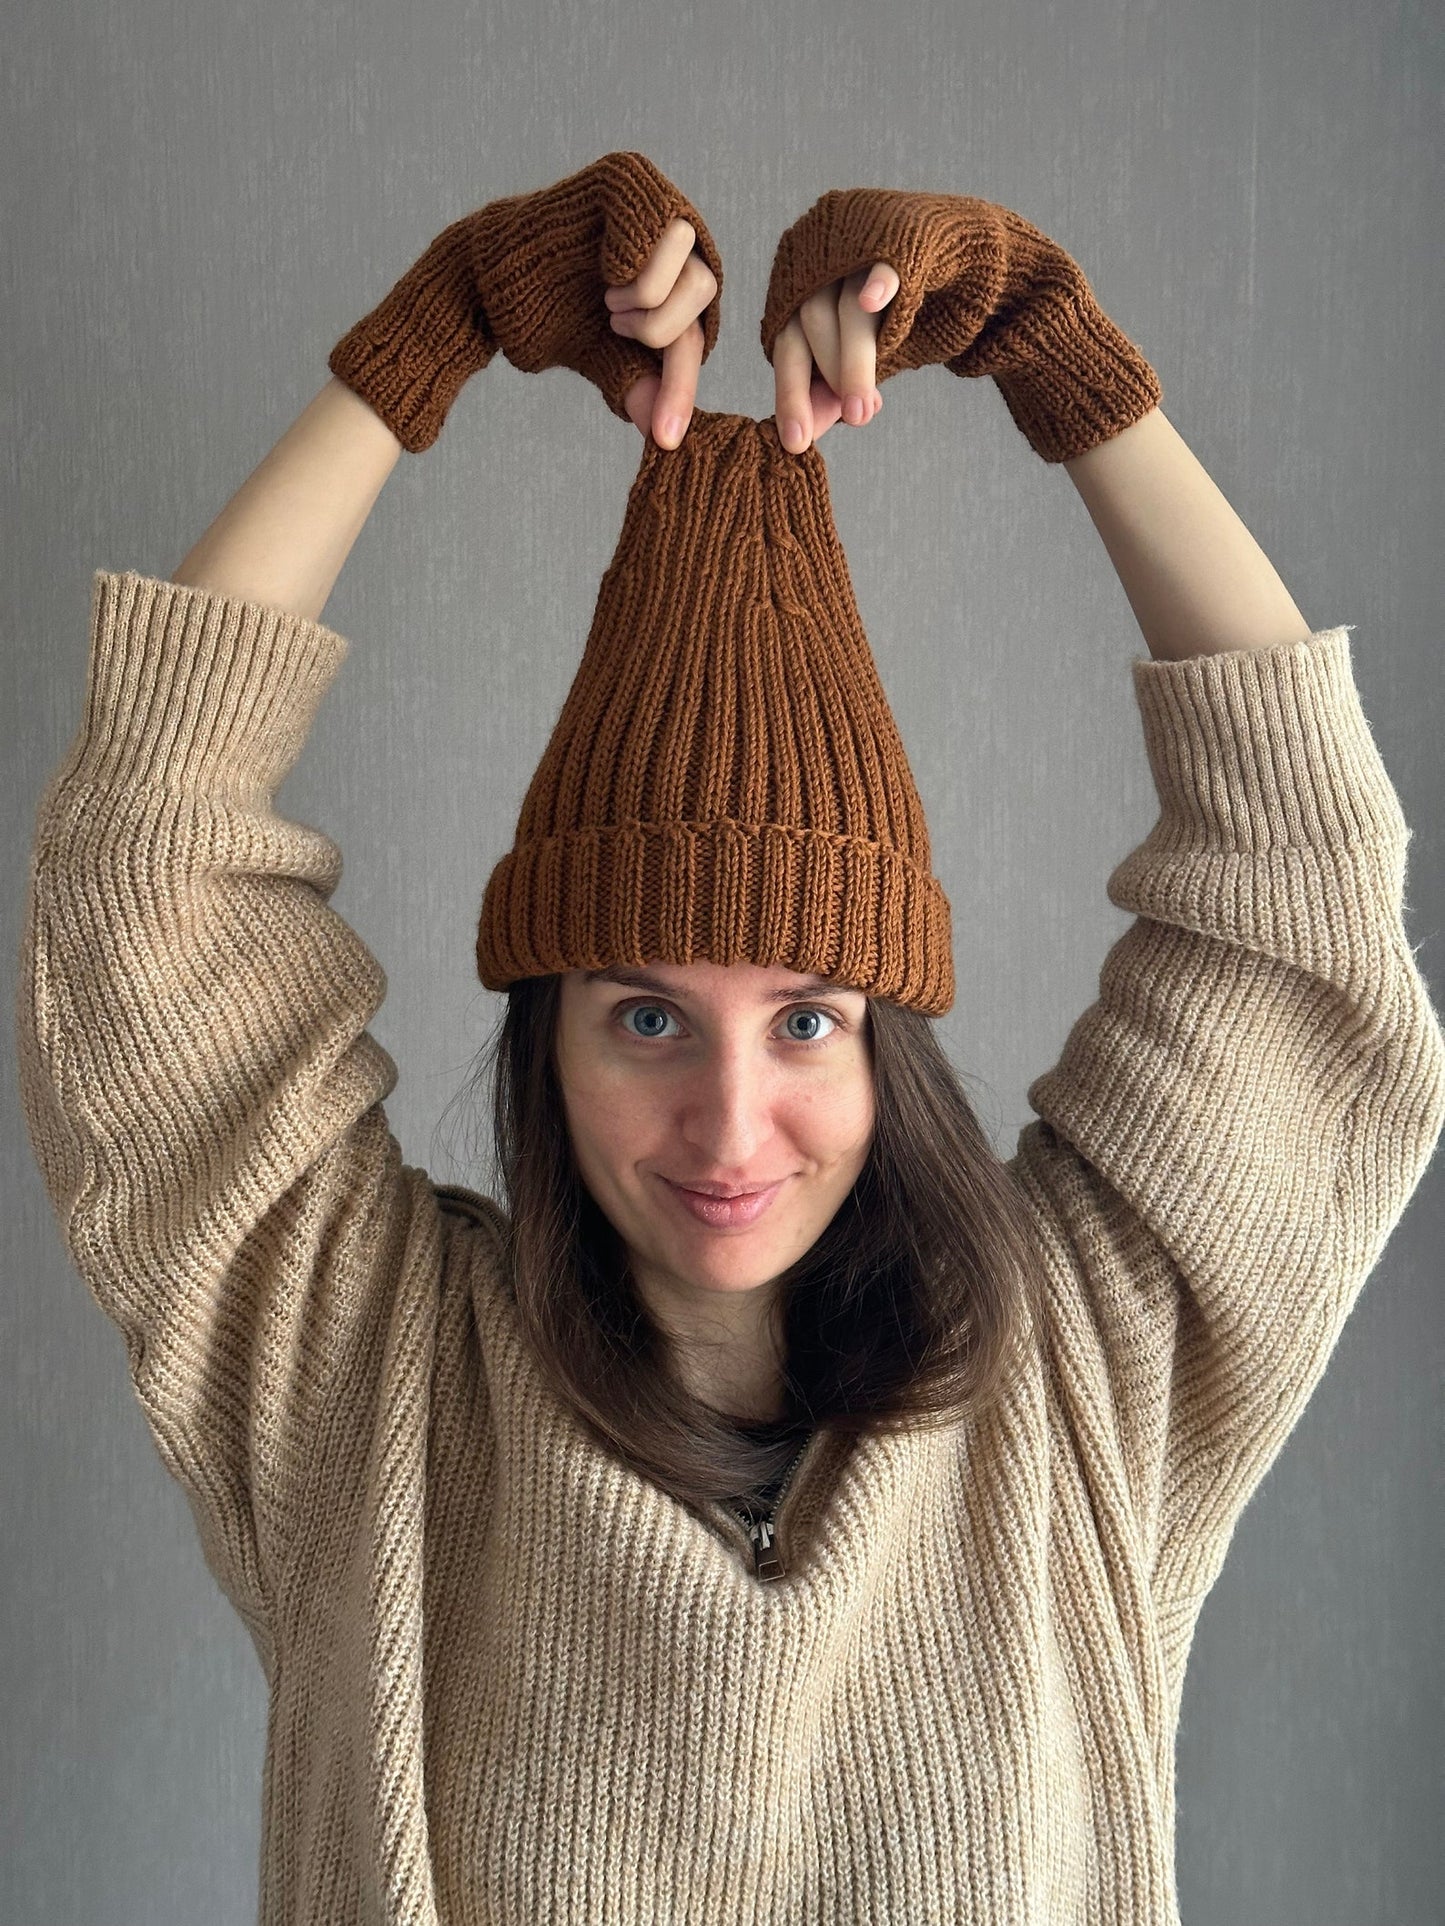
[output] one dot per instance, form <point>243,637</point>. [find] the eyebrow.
<point>645,980</point>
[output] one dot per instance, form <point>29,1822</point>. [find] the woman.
<point>464,1471</point>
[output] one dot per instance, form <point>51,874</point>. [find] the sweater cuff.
<point>195,691</point>
<point>1256,749</point>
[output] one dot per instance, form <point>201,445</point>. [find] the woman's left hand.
<point>836,328</point>
<point>976,288</point>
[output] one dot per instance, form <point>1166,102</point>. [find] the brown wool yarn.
<point>725,781</point>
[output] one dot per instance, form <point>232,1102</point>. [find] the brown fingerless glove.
<point>525,275</point>
<point>985,293</point>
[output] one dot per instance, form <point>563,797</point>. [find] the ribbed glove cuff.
<point>409,358</point>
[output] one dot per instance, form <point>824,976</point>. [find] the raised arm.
<point>202,1091</point>
<point>282,538</point>
<point>1236,1124</point>
<point>1234,1128</point>
<point>1196,579</point>
<point>872,281</point>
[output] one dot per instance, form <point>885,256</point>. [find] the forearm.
<point>1196,579</point>
<point>282,538</point>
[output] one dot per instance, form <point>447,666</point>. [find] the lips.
<point>725,1213</point>
<point>717,1190</point>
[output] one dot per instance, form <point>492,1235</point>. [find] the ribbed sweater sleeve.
<point>201,1092</point>
<point>1233,1129</point>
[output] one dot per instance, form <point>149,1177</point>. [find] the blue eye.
<point>657,1017</point>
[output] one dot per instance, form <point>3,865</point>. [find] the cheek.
<point>834,1115</point>
<point>607,1110</point>
<point>858,1104</point>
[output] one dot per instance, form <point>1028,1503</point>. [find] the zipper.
<point>768,1562</point>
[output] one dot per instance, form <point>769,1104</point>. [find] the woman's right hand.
<point>661,307</point>
<point>527,275</point>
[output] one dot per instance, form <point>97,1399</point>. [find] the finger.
<point>639,399</point>
<point>792,380</point>
<point>805,401</point>
<point>659,271</point>
<point>659,327</point>
<point>857,352</point>
<point>827,409</point>
<point>822,330</point>
<point>672,410</point>
<point>819,316</point>
<point>880,287</point>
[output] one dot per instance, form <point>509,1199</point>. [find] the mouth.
<point>742,1209</point>
<point>717,1190</point>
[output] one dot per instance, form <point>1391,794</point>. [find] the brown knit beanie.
<point>725,781</point>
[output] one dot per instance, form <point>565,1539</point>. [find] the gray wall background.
<point>199,200</point>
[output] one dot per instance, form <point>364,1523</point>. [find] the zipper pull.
<point>767,1560</point>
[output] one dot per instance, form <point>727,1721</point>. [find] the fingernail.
<point>853,411</point>
<point>794,435</point>
<point>671,431</point>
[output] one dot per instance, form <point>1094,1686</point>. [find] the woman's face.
<point>732,1078</point>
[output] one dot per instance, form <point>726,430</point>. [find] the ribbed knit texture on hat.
<point>725,781</point>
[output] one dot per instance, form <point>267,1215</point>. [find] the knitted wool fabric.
<point>983,291</point>
<point>725,781</point>
<point>525,274</point>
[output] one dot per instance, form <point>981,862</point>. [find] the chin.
<point>726,1271</point>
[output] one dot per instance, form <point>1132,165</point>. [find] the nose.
<point>727,1112</point>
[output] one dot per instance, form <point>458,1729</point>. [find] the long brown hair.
<point>914,1308</point>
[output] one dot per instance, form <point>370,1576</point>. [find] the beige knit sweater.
<point>510,1682</point>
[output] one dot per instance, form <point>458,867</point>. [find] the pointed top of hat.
<point>725,781</point>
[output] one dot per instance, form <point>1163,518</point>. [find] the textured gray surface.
<point>199,203</point>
